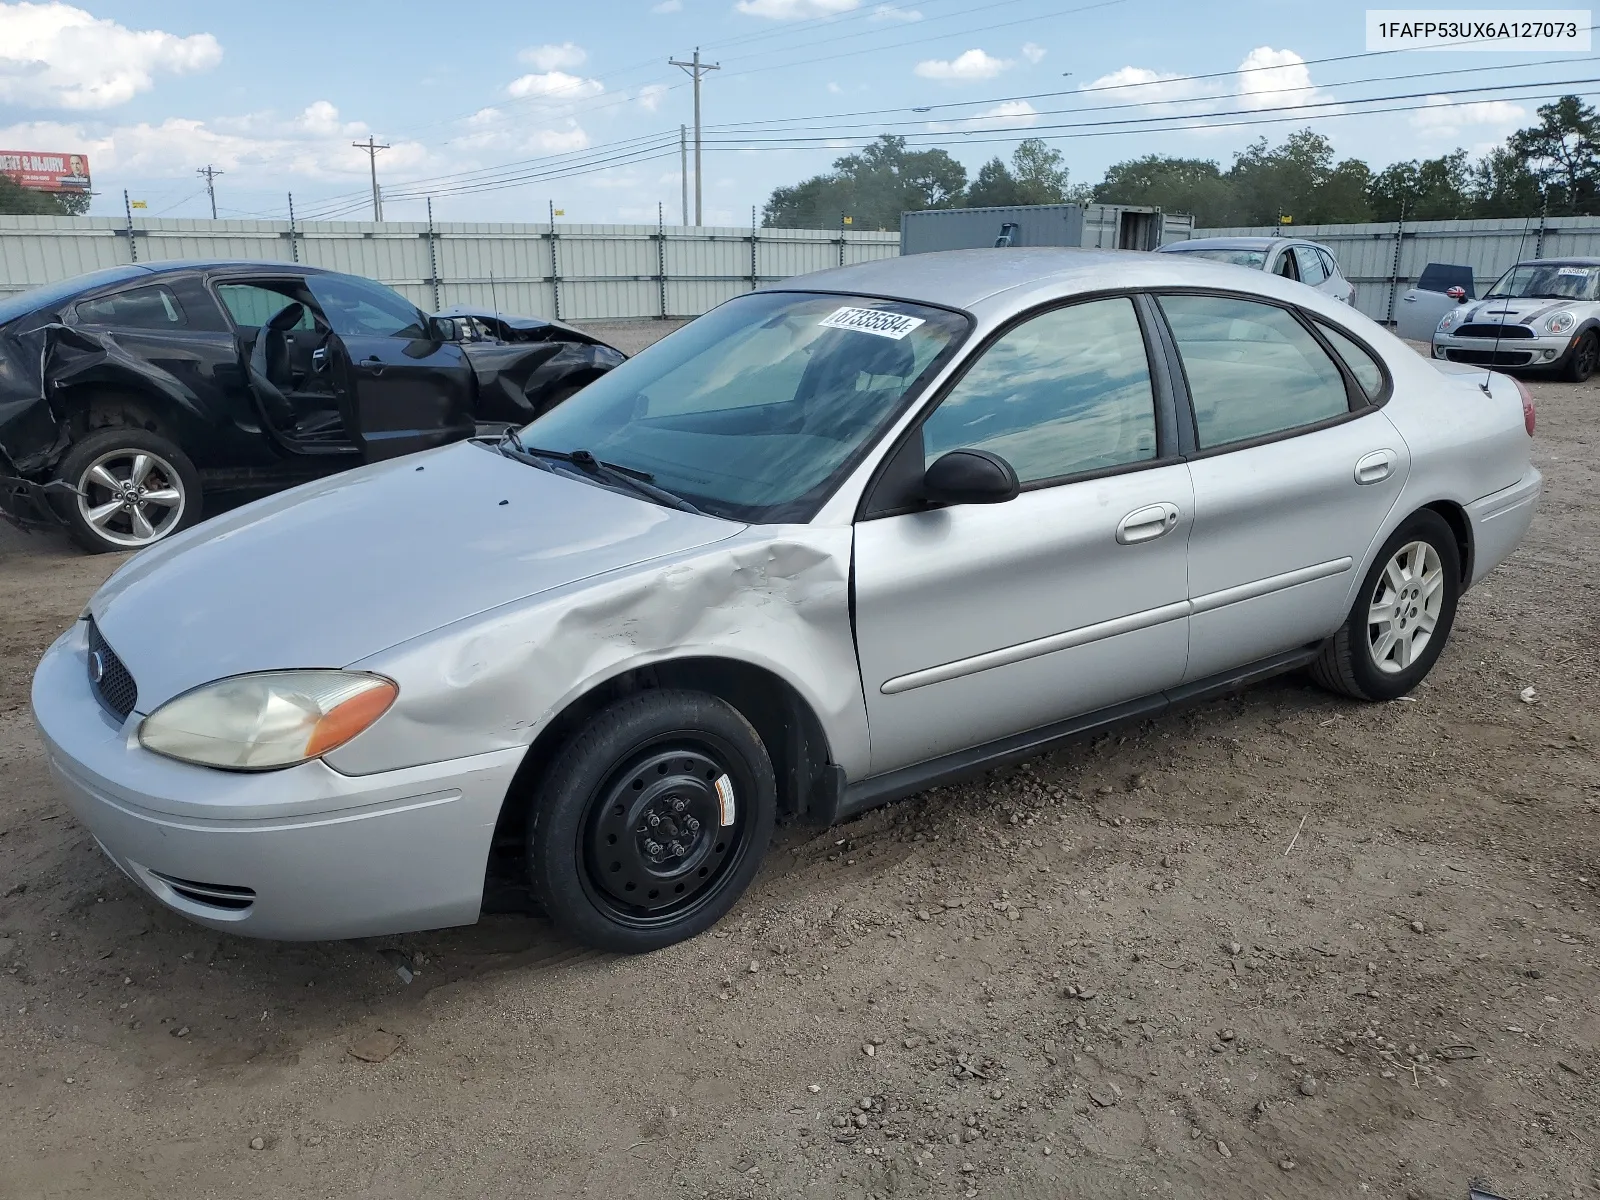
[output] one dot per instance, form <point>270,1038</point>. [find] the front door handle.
<point>372,363</point>
<point>1146,524</point>
<point>1376,467</point>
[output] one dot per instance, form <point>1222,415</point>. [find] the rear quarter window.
<point>150,307</point>
<point>1358,358</point>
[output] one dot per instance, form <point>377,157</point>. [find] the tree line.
<point>1554,164</point>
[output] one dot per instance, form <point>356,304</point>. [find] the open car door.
<point>401,387</point>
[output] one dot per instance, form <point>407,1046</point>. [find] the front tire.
<point>133,489</point>
<point>1583,359</point>
<point>1402,615</point>
<point>652,821</point>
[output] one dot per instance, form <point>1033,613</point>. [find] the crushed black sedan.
<point>127,394</point>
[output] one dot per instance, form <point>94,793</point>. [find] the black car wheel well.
<point>1456,517</point>
<point>88,407</point>
<point>788,727</point>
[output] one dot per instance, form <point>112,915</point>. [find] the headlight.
<point>266,721</point>
<point>1561,322</point>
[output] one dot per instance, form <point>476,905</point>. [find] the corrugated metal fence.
<point>574,272</point>
<point>1384,259</point>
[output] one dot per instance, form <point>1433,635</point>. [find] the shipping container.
<point>1100,226</point>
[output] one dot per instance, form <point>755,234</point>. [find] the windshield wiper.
<point>633,480</point>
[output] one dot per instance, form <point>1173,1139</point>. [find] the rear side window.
<point>251,306</point>
<point>1329,266</point>
<point>1310,262</point>
<point>1066,392</point>
<point>151,307</point>
<point>1360,361</point>
<point>1253,370</point>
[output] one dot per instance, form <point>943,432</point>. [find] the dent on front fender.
<point>773,597</point>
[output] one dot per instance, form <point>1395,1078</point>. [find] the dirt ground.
<point>1281,945</point>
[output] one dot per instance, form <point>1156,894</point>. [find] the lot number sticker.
<point>871,320</point>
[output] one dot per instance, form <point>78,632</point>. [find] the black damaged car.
<point>128,394</point>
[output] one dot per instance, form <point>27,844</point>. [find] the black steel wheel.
<point>1583,358</point>
<point>652,822</point>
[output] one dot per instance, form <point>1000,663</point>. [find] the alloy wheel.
<point>1405,607</point>
<point>131,497</point>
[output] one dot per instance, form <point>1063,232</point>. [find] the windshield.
<point>755,410</point>
<point>1239,258</point>
<point>12,307</point>
<point>1553,281</point>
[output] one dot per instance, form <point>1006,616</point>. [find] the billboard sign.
<point>46,171</point>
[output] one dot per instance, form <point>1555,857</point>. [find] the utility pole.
<point>372,148</point>
<point>209,174</point>
<point>697,70</point>
<point>683,168</point>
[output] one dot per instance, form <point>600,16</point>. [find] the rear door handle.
<point>1146,524</point>
<point>1376,467</point>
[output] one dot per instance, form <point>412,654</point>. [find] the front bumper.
<point>1536,353</point>
<point>27,504</point>
<point>299,854</point>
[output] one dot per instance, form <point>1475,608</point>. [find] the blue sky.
<point>474,95</point>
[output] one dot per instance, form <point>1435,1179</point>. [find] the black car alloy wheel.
<point>665,830</point>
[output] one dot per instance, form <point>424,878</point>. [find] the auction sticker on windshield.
<point>871,320</point>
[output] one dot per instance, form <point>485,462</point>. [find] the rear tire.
<point>1583,359</point>
<point>1402,616</point>
<point>652,821</point>
<point>134,487</point>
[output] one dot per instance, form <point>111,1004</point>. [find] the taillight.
<point>1527,405</point>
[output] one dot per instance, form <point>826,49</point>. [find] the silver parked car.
<point>1310,263</point>
<point>833,542</point>
<point>1542,315</point>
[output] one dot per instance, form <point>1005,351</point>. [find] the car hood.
<point>337,570</point>
<point>1519,312</point>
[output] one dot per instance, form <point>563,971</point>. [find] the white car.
<point>1305,262</point>
<point>1542,315</point>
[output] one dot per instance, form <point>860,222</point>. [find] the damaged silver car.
<point>834,542</point>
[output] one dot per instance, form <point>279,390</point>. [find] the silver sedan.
<point>831,543</point>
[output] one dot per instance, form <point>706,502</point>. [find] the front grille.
<point>115,687</point>
<point>1490,358</point>
<point>1504,332</point>
<point>213,895</point>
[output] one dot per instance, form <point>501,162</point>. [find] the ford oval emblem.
<point>97,666</point>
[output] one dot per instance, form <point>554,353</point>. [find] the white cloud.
<point>967,67</point>
<point>651,95</point>
<point>795,10</point>
<point>1270,78</point>
<point>893,12</point>
<point>1033,52</point>
<point>57,56</point>
<point>1140,85</point>
<point>554,85</point>
<point>834,89</point>
<point>667,6</point>
<point>1005,115</point>
<point>1479,126</point>
<point>552,57</point>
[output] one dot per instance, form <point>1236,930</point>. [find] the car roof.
<point>172,266</point>
<point>964,279</point>
<point>1570,261</point>
<point>1235,243</point>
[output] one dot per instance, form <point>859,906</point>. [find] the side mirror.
<point>1457,293</point>
<point>443,329</point>
<point>970,477</point>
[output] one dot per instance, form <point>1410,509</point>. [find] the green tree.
<point>14,198</point>
<point>1563,152</point>
<point>1503,186</point>
<point>1299,179</point>
<point>1436,189</point>
<point>873,186</point>
<point>1036,176</point>
<point>1178,185</point>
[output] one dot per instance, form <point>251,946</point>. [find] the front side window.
<point>252,305</point>
<point>1286,266</point>
<point>152,307</point>
<point>1063,393</point>
<point>1253,370</point>
<point>359,306</point>
<point>757,409</point>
